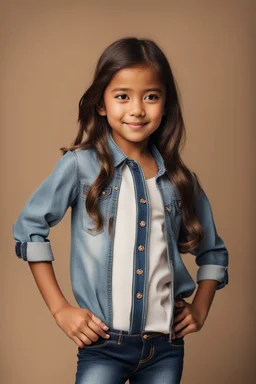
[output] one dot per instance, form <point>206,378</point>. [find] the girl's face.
<point>134,96</point>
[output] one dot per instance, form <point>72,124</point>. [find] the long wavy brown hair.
<point>169,137</point>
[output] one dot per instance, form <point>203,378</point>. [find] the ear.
<point>100,108</point>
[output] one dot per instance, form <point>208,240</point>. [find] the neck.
<point>133,150</point>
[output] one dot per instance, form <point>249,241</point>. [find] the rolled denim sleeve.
<point>211,254</point>
<point>44,209</point>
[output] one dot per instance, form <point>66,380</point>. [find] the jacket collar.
<point>119,155</point>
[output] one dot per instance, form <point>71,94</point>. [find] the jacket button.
<point>171,262</point>
<point>143,223</point>
<point>145,336</point>
<point>143,201</point>
<point>179,203</point>
<point>132,164</point>
<point>116,187</point>
<point>141,248</point>
<point>139,295</point>
<point>139,271</point>
<point>168,209</point>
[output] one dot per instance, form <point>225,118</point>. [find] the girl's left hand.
<point>188,317</point>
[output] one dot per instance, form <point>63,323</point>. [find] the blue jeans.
<point>146,358</point>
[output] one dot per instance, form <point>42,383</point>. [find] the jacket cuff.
<point>34,250</point>
<point>213,272</point>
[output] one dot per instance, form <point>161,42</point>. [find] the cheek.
<point>156,113</point>
<point>114,110</point>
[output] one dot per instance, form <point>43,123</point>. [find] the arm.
<point>44,209</point>
<point>48,286</point>
<point>194,315</point>
<point>204,296</point>
<point>211,257</point>
<point>211,254</point>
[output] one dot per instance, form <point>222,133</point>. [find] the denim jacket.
<point>91,252</point>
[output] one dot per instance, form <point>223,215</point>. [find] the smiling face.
<point>133,96</point>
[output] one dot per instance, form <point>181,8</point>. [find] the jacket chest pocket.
<point>103,203</point>
<point>176,216</point>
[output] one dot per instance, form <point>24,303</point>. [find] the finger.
<point>180,303</point>
<point>185,331</point>
<point>185,322</point>
<point>97,329</point>
<point>86,339</point>
<point>177,310</point>
<point>179,317</point>
<point>99,322</point>
<point>78,342</point>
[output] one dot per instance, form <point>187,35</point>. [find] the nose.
<point>137,108</point>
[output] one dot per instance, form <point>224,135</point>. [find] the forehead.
<point>135,78</point>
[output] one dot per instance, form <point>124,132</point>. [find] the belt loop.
<point>120,338</point>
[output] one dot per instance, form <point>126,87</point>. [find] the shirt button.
<point>143,201</point>
<point>139,271</point>
<point>139,295</point>
<point>141,248</point>
<point>143,223</point>
<point>116,187</point>
<point>132,164</point>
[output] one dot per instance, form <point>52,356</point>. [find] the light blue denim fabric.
<point>91,253</point>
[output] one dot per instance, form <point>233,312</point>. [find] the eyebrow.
<point>129,89</point>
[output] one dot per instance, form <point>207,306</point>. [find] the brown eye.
<point>120,95</point>
<point>156,96</point>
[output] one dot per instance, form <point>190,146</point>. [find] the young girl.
<point>135,208</point>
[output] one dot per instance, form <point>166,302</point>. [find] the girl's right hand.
<point>80,325</point>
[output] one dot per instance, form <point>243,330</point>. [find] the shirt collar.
<point>119,155</point>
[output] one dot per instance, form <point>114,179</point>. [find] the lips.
<point>136,124</point>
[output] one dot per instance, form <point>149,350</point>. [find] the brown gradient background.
<point>48,54</point>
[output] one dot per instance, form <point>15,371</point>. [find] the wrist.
<point>60,308</point>
<point>201,312</point>
<point>204,297</point>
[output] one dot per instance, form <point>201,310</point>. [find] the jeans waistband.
<point>119,334</point>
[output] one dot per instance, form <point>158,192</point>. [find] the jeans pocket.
<point>101,342</point>
<point>178,342</point>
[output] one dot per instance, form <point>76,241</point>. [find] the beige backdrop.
<point>49,51</point>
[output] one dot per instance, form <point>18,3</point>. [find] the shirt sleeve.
<point>44,209</point>
<point>211,254</point>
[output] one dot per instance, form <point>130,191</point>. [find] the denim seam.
<point>147,359</point>
<point>177,345</point>
<point>150,355</point>
<point>95,346</point>
<point>139,359</point>
<point>133,335</point>
<point>77,175</point>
